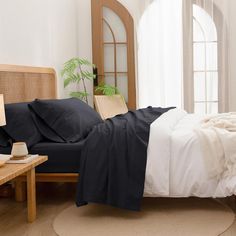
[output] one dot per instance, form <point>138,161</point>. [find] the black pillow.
<point>71,119</point>
<point>20,126</point>
<point>44,129</point>
<point>5,140</point>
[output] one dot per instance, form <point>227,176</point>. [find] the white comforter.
<point>175,162</point>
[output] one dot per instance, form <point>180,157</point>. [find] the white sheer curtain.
<point>160,55</point>
<point>183,55</point>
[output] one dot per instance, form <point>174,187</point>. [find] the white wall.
<point>38,33</point>
<point>136,8</point>
<point>228,8</point>
<point>49,32</point>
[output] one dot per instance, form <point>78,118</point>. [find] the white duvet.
<point>175,162</point>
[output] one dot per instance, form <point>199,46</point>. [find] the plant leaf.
<point>79,95</point>
<point>88,75</point>
<point>71,78</point>
<point>106,89</point>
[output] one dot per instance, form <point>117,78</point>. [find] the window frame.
<point>206,70</point>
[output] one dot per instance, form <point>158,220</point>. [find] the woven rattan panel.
<point>23,84</point>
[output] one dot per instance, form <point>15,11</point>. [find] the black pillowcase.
<point>44,129</point>
<point>5,140</point>
<point>71,119</point>
<point>20,126</point>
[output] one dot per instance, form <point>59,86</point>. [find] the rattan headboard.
<point>25,83</point>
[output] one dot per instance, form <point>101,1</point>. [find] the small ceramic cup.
<point>19,149</point>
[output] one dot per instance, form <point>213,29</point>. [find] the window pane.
<point>206,22</point>
<point>109,58</point>
<point>199,86</point>
<point>199,56</point>
<point>212,86</point>
<point>121,58</point>
<point>110,79</point>
<point>115,23</point>
<point>197,32</point>
<point>200,108</point>
<point>107,35</point>
<point>211,56</point>
<point>212,107</point>
<point>122,85</point>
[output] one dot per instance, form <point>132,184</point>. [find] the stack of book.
<point>18,160</point>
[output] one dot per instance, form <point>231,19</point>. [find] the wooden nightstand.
<point>11,171</point>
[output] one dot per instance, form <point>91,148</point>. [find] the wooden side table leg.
<point>20,191</point>
<point>31,196</point>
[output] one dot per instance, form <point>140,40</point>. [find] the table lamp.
<point>2,111</point>
<point>2,122</point>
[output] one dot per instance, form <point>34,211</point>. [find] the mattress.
<point>62,157</point>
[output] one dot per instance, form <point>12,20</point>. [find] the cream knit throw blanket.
<point>217,135</point>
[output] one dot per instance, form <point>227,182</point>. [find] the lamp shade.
<point>2,111</point>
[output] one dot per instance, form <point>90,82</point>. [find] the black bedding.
<point>110,156</point>
<point>113,160</point>
<point>54,127</point>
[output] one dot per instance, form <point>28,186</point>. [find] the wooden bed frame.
<point>24,84</point>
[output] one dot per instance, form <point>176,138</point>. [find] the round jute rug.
<point>159,216</point>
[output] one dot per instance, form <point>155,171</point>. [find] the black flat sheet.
<point>113,160</point>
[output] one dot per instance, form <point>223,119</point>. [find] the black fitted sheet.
<point>62,157</point>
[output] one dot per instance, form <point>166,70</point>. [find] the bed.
<point>120,161</point>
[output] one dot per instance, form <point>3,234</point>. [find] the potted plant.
<point>78,70</point>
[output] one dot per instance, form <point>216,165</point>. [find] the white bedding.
<point>175,162</point>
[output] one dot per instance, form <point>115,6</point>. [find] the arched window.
<point>205,62</point>
<point>113,47</point>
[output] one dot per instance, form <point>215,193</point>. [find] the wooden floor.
<point>51,200</point>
